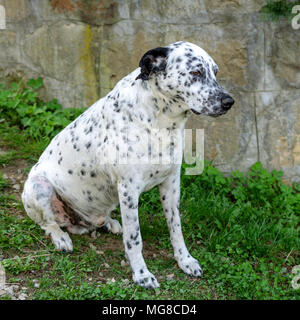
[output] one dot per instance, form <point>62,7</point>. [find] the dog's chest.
<point>156,175</point>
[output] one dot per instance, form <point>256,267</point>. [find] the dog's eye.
<point>196,73</point>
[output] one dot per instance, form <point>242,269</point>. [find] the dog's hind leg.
<point>37,196</point>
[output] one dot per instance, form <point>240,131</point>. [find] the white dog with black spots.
<point>78,182</point>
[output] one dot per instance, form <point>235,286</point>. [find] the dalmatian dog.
<point>77,183</point>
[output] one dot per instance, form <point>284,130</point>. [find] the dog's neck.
<point>147,104</point>
<point>164,111</point>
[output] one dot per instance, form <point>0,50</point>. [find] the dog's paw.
<point>62,241</point>
<point>146,280</point>
<point>114,226</point>
<point>191,267</point>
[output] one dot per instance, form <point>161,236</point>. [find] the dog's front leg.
<point>170,195</point>
<point>128,197</point>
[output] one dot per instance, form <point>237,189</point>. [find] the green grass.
<point>244,230</point>
<point>20,105</point>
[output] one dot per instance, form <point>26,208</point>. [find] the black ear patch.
<point>152,61</point>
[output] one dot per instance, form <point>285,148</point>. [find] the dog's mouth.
<point>195,112</point>
<point>214,115</point>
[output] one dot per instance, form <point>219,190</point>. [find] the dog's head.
<point>186,74</point>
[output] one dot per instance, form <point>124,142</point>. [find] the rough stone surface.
<point>230,139</point>
<point>278,122</point>
<point>63,53</point>
<point>82,48</point>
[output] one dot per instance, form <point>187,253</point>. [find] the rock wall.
<point>83,47</point>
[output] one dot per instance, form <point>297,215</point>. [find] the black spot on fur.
<point>93,174</point>
<point>128,245</point>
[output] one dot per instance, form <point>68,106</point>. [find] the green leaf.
<point>35,83</point>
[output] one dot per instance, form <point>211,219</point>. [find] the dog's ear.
<point>152,61</point>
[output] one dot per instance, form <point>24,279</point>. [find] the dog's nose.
<point>227,102</point>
